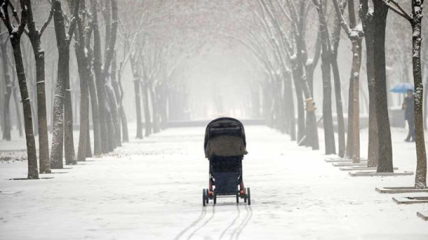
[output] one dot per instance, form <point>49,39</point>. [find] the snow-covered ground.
<point>151,189</point>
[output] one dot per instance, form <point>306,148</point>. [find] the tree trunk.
<point>335,39</point>
<point>147,122</point>
<point>52,86</point>
<point>373,148</point>
<point>155,109</point>
<point>15,39</point>
<point>2,93</point>
<point>102,101</point>
<point>39,55</point>
<point>88,142</point>
<point>339,107</point>
<point>31,85</point>
<point>84,75</point>
<point>18,110</point>
<point>421,166</point>
<point>300,106</point>
<point>115,116</point>
<point>122,114</point>
<point>124,125</point>
<point>123,120</point>
<point>56,156</point>
<point>326,57</point>
<point>355,81</point>
<point>69,152</point>
<point>110,126</point>
<point>115,101</point>
<point>350,133</point>
<point>95,116</point>
<point>111,33</point>
<point>63,122</point>
<point>330,147</point>
<point>138,108</point>
<point>384,130</point>
<point>289,96</point>
<point>163,111</point>
<point>312,139</point>
<point>33,172</point>
<point>7,92</point>
<point>137,94</point>
<point>425,95</point>
<point>276,110</point>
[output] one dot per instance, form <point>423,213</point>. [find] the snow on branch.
<point>48,20</point>
<point>353,34</point>
<point>395,7</point>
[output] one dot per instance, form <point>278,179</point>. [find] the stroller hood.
<point>225,137</point>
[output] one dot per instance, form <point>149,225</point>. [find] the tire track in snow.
<point>246,221</point>
<point>203,225</point>
<point>243,224</point>
<point>194,223</point>
<point>232,223</point>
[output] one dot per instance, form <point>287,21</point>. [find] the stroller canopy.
<point>225,137</point>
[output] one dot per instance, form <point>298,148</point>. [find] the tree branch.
<point>14,13</point>
<point>24,16</point>
<point>344,24</point>
<point>395,7</point>
<point>4,15</point>
<point>73,21</point>
<point>48,20</point>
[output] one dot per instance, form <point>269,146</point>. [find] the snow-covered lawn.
<point>152,189</point>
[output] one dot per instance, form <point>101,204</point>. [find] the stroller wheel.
<point>215,198</point>
<point>249,196</point>
<point>207,197</point>
<point>204,197</point>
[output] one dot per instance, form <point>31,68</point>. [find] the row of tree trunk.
<point>278,106</point>
<point>98,84</point>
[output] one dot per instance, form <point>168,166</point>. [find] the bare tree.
<point>385,157</point>
<point>136,75</point>
<point>93,89</point>
<point>326,58</point>
<point>369,28</point>
<point>85,76</point>
<point>302,67</point>
<point>15,34</point>
<point>35,36</point>
<point>415,20</point>
<point>102,72</point>
<point>114,95</point>
<point>355,35</point>
<point>8,87</point>
<point>335,39</point>
<point>63,43</point>
<point>112,22</point>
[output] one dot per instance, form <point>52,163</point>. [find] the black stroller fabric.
<point>225,137</point>
<point>226,174</point>
<point>226,164</point>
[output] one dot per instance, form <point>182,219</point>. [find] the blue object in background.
<point>402,88</point>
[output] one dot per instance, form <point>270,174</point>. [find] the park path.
<point>151,189</point>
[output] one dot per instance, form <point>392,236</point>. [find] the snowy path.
<point>151,189</point>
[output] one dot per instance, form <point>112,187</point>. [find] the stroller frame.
<point>225,172</point>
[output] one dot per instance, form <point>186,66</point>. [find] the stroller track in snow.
<point>241,225</point>
<point>194,223</point>
<point>232,223</point>
<point>203,225</point>
<point>244,223</point>
<point>235,233</point>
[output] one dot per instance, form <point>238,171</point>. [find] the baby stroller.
<point>225,147</point>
